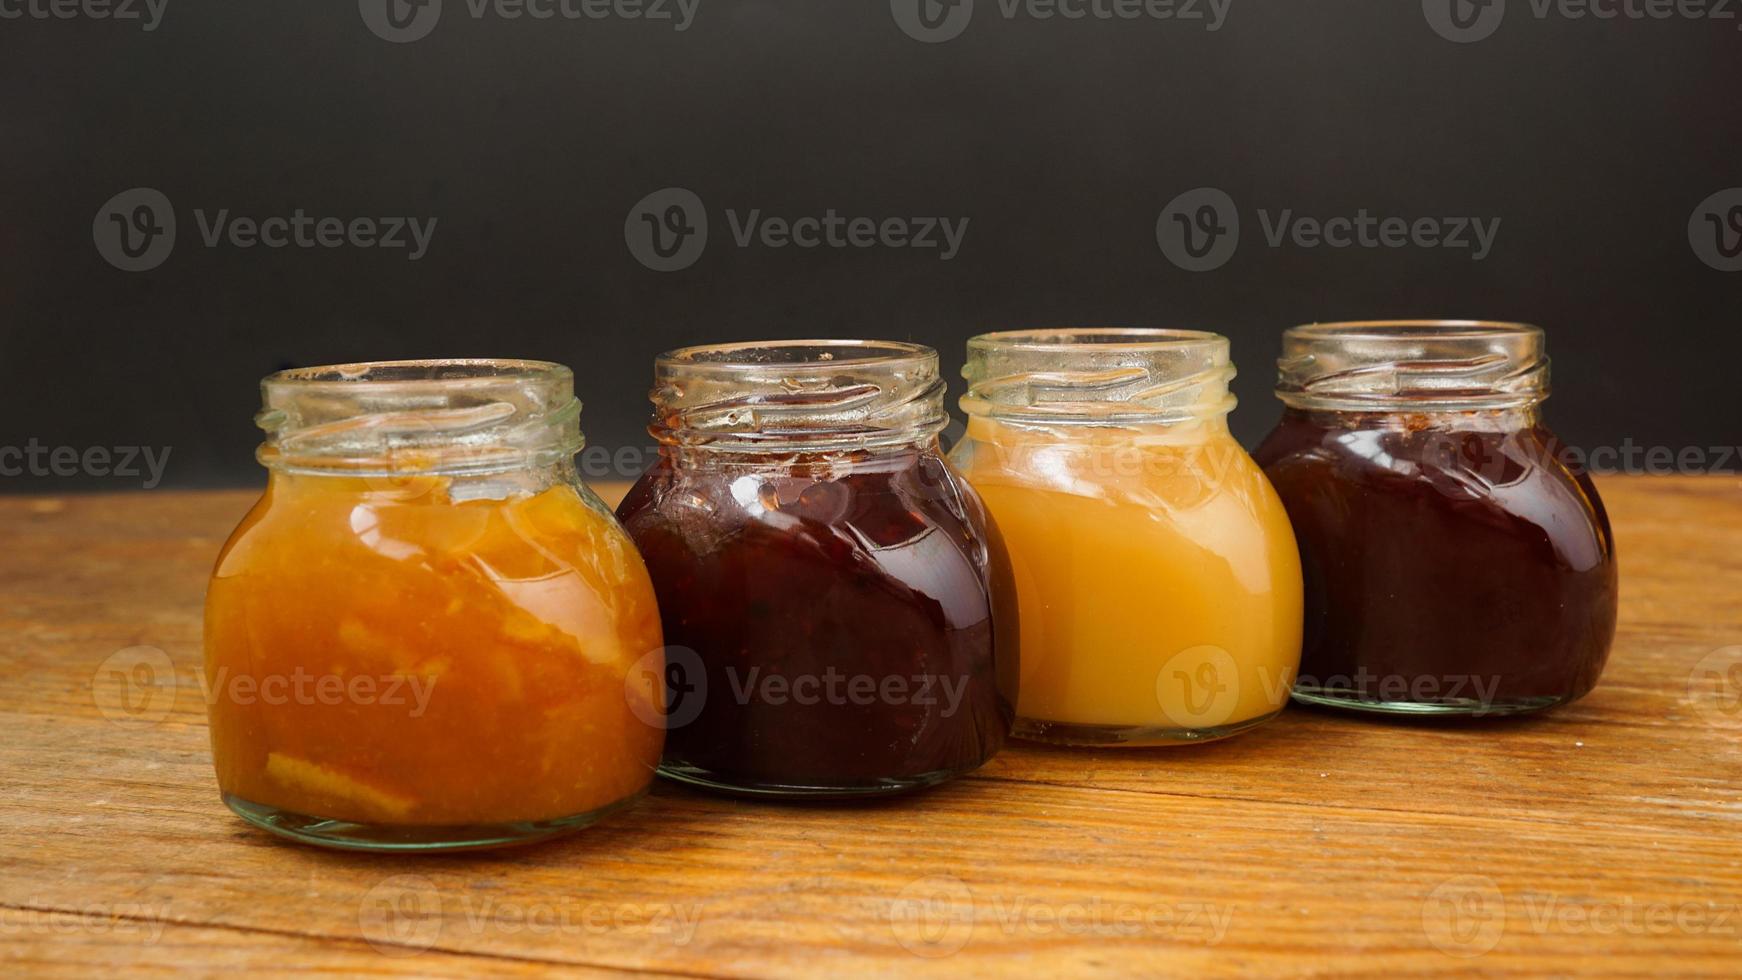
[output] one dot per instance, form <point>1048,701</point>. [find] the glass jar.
<point>1456,562</point>
<point>1157,577</point>
<point>422,635</point>
<point>832,594</point>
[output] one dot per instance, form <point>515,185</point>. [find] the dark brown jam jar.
<point>1456,562</point>
<point>839,616</point>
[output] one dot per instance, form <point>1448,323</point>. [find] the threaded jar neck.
<point>427,416</point>
<point>797,395</point>
<point>1099,376</point>
<point>1412,366</point>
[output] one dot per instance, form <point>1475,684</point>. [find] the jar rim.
<point>1414,329</point>
<point>819,355</point>
<point>797,395</point>
<point>1099,375</point>
<point>1095,339</point>
<point>446,372</point>
<point>1414,365</point>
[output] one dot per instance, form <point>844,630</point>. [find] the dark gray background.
<point>1592,140</point>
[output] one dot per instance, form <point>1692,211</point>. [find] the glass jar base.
<point>716,783</point>
<point>350,836</point>
<point>1128,736</point>
<point>1344,699</point>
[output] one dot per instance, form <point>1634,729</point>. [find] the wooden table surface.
<point>1603,838</point>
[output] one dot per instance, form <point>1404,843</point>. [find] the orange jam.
<point>382,653</point>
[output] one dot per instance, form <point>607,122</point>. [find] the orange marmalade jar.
<point>428,633</point>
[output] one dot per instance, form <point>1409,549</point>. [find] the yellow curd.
<point>1157,577</point>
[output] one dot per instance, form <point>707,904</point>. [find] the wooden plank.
<point>1605,837</point>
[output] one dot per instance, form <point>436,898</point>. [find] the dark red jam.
<point>1453,563</point>
<point>830,620</point>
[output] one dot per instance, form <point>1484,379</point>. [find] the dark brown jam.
<point>1454,563</point>
<point>830,620</point>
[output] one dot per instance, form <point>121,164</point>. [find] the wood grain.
<point>1603,838</point>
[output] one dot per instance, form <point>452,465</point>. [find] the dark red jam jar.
<point>1456,561</point>
<point>839,616</point>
